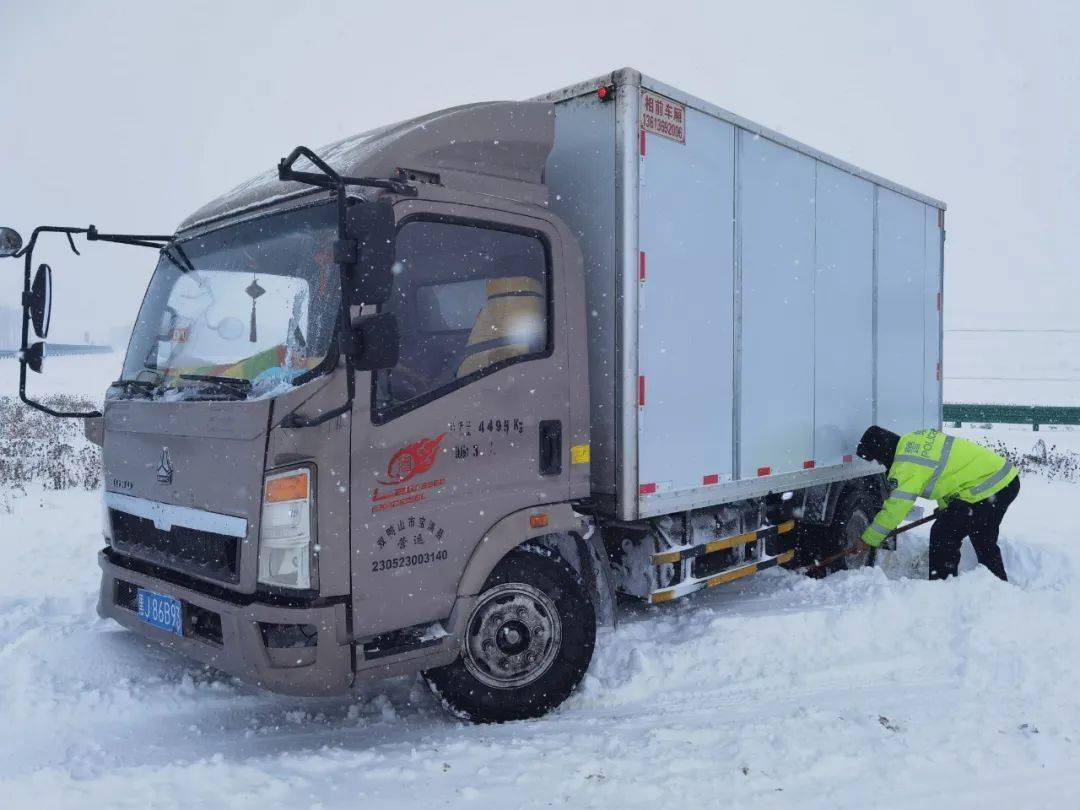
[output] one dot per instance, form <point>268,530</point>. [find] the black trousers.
<point>979,521</point>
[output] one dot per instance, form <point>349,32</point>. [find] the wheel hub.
<point>512,637</point>
<point>514,634</point>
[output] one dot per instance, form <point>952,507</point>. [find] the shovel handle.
<point>913,524</point>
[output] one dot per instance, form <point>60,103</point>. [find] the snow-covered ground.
<point>781,692</point>
<point>864,689</point>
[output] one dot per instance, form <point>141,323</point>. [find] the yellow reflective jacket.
<point>928,464</point>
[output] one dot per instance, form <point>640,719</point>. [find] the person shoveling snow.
<point>973,485</point>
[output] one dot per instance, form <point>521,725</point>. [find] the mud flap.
<point>596,569</point>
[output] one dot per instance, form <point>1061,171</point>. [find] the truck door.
<point>471,424</point>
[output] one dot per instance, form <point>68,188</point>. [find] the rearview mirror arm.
<point>37,406</point>
<point>27,254</point>
<point>330,178</point>
<point>139,240</point>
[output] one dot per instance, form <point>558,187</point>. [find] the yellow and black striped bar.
<point>686,588</point>
<point>665,557</point>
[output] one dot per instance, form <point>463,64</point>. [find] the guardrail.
<point>1033,415</point>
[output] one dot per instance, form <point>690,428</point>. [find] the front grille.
<point>207,554</point>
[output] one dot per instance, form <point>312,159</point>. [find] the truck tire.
<point>527,643</point>
<point>854,512</point>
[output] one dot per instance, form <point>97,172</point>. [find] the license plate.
<point>160,610</point>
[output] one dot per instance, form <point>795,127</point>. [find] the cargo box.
<point>754,304</point>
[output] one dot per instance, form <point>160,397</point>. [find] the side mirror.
<point>373,276</point>
<point>35,356</point>
<point>41,300</point>
<point>10,242</point>
<point>375,338</point>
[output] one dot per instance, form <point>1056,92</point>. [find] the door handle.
<point>550,447</point>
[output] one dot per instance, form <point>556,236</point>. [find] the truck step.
<point>692,585</point>
<point>687,552</point>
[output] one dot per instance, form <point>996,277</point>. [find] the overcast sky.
<point>131,115</point>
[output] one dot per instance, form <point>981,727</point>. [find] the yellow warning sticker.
<point>579,454</point>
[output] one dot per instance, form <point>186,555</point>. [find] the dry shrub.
<point>36,448</point>
<point>1045,461</point>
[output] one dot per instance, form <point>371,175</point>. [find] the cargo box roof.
<point>629,77</point>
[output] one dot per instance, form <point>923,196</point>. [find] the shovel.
<point>888,544</point>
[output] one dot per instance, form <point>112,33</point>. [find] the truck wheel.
<point>527,642</point>
<point>854,513</point>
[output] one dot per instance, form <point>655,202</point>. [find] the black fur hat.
<point>878,444</point>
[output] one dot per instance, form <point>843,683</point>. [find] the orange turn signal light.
<point>292,487</point>
<point>538,521</point>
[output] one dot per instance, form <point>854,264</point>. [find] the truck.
<point>436,397</point>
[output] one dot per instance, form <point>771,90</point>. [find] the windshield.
<point>245,311</point>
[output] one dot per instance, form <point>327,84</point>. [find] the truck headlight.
<point>285,550</point>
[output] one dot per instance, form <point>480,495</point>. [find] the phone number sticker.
<point>407,561</point>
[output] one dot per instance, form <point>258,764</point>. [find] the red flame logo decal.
<point>413,460</point>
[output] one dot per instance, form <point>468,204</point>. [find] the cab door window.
<point>469,300</point>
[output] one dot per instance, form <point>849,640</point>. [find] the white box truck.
<point>428,398</point>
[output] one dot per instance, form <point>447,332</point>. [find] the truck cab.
<point>304,555</point>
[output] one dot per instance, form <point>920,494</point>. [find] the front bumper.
<point>237,644</point>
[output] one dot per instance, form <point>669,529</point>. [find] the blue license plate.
<point>160,610</point>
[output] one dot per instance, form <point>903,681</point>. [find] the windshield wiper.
<point>181,260</point>
<point>233,386</point>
